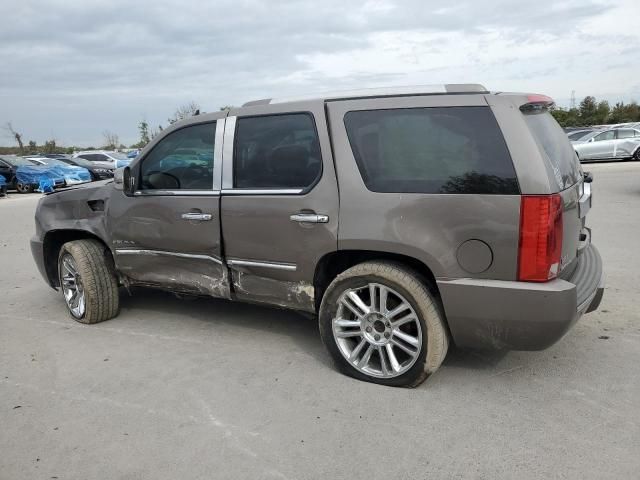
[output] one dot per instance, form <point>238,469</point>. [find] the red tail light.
<point>540,249</point>
<point>536,103</point>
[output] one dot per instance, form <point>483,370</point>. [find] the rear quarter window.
<point>554,146</point>
<point>431,150</point>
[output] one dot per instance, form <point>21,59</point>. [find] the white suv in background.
<point>104,158</point>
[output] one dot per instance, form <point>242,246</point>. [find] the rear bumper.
<point>507,315</point>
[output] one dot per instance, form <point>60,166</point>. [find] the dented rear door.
<point>279,201</point>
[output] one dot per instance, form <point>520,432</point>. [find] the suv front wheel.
<point>88,284</point>
<point>381,324</point>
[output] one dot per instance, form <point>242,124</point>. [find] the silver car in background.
<point>612,144</point>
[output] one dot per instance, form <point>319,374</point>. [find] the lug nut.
<point>388,324</point>
<point>376,336</point>
<point>387,334</point>
<point>369,329</point>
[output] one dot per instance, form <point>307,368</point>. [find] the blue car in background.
<point>72,174</point>
<point>22,175</point>
<point>3,186</point>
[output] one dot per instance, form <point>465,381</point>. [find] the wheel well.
<point>52,244</point>
<point>334,263</point>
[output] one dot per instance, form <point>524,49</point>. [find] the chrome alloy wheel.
<point>377,331</point>
<point>72,287</point>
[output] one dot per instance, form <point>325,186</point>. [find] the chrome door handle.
<point>200,217</point>
<point>309,218</point>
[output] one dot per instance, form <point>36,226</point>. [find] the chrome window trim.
<point>265,191</point>
<point>227,152</point>
<point>291,267</point>
<point>218,144</point>
<point>176,193</point>
<point>137,251</point>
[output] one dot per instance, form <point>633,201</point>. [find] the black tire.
<point>636,154</point>
<point>99,281</point>
<point>24,188</point>
<point>435,339</point>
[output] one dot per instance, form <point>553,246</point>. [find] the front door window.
<point>183,160</point>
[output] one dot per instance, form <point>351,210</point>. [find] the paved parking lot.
<point>177,389</point>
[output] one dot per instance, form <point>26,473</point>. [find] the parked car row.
<point>617,142</point>
<point>46,172</point>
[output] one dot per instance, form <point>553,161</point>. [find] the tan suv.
<point>405,218</point>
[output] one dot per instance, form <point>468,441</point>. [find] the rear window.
<point>431,150</point>
<point>555,147</point>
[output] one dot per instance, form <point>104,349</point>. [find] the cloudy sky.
<point>71,69</point>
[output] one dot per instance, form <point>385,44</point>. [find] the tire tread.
<point>100,283</point>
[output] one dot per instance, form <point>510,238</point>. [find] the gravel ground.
<point>176,389</point>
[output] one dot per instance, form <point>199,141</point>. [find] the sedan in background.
<point>73,174</point>
<point>612,144</point>
<point>104,158</point>
<point>25,177</point>
<point>97,172</point>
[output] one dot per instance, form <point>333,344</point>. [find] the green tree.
<point>588,109</point>
<point>143,128</point>
<point>49,146</point>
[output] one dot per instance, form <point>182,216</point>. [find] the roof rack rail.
<point>452,88</point>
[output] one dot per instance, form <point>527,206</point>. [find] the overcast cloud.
<point>72,69</point>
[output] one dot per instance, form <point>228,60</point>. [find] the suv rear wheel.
<point>381,324</point>
<point>88,284</point>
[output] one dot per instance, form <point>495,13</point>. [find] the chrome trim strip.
<point>217,153</point>
<point>291,267</point>
<point>177,193</point>
<point>227,152</point>
<point>136,251</point>
<point>264,191</point>
<point>584,202</point>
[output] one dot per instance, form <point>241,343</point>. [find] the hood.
<point>84,188</point>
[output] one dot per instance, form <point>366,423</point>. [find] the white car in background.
<point>612,144</point>
<point>104,158</point>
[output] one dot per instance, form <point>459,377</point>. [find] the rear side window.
<point>431,150</point>
<point>625,133</point>
<point>276,152</point>
<point>555,148</point>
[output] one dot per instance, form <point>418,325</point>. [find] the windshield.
<point>17,161</point>
<point>80,161</point>
<point>578,135</point>
<point>53,161</point>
